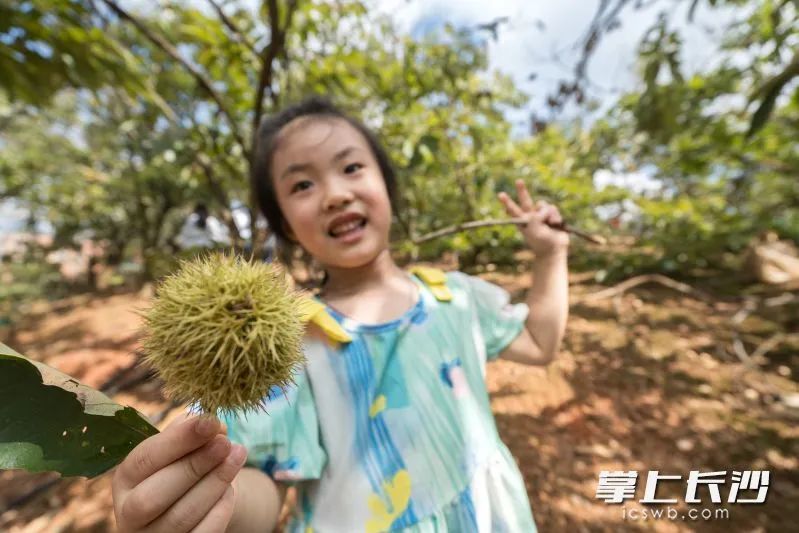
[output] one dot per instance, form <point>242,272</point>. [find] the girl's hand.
<point>179,480</point>
<point>541,239</point>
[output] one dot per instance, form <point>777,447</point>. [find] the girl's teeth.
<point>338,230</point>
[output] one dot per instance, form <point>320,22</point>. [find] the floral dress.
<point>393,430</point>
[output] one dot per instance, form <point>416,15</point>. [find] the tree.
<point>216,73</point>
<point>126,162</point>
<point>727,175</point>
<point>51,45</point>
<point>761,34</point>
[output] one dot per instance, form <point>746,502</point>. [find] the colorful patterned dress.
<point>393,430</point>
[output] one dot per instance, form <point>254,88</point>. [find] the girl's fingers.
<point>219,517</point>
<point>553,215</point>
<point>150,498</point>
<point>546,213</point>
<point>158,451</point>
<point>189,511</point>
<point>510,206</point>
<point>525,202</point>
<point>539,212</point>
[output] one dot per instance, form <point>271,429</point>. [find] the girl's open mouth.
<point>347,230</point>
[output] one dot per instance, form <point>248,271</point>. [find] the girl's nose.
<point>337,195</point>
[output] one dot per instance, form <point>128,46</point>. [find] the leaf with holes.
<point>51,422</point>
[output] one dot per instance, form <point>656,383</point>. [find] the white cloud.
<point>638,182</point>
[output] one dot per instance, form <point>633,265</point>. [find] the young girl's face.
<point>331,191</point>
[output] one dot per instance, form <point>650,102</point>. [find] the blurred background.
<point>669,127</point>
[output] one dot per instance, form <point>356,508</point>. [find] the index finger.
<point>525,201</point>
<point>165,448</point>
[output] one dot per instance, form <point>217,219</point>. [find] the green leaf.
<point>51,422</point>
<point>770,91</point>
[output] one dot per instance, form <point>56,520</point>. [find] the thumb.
<point>537,217</point>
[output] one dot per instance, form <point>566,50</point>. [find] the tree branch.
<point>172,52</point>
<point>276,47</point>
<point>237,33</point>
<point>640,280</point>
<point>767,346</point>
<point>601,23</point>
<point>770,91</point>
<point>166,205</point>
<point>517,221</point>
<point>277,41</point>
<point>220,194</point>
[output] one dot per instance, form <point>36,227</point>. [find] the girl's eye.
<point>301,186</point>
<point>352,167</point>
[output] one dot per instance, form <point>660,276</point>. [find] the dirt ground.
<point>646,381</point>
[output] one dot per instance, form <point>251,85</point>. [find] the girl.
<point>389,426</point>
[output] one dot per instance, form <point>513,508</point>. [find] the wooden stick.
<point>640,280</point>
<point>767,346</point>
<point>739,350</point>
<point>596,239</point>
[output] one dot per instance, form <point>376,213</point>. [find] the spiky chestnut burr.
<point>223,331</point>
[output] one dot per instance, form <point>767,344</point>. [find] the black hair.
<point>202,215</point>
<point>268,132</point>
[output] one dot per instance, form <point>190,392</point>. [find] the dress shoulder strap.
<point>435,280</point>
<point>315,312</point>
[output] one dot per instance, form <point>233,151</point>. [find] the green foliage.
<point>49,45</point>
<point>78,430</point>
<point>164,127</point>
<point>26,281</point>
<point>725,177</point>
<point>161,263</point>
